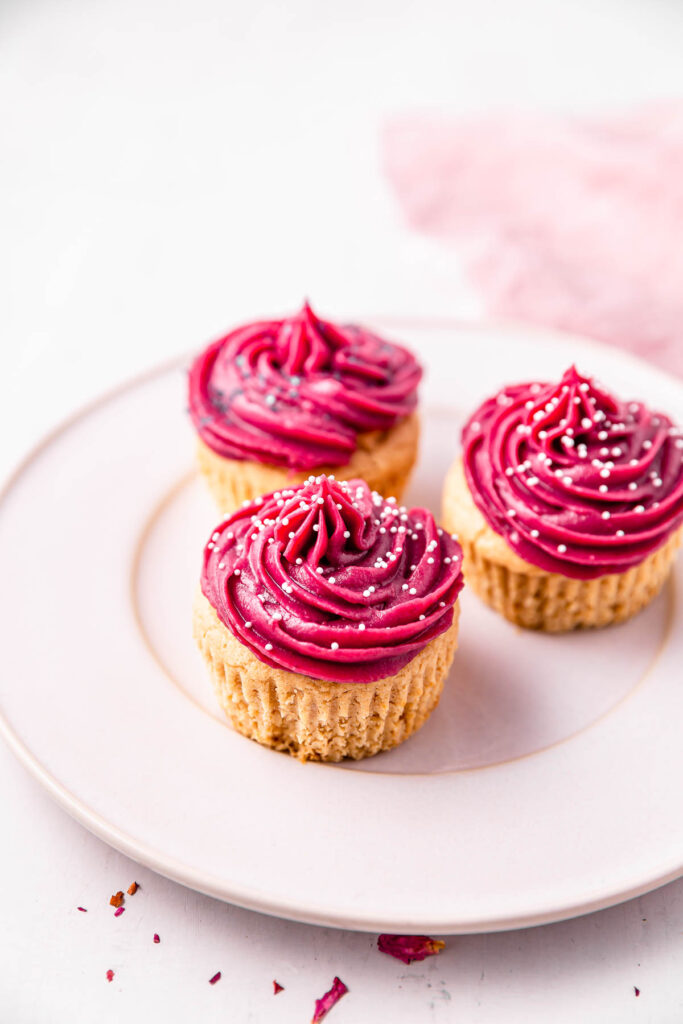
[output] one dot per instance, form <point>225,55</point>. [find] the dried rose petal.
<point>636,990</point>
<point>82,910</point>
<point>156,938</point>
<point>409,947</point>
<point>277,987</point>
<point>133,888</point>
<point>324,1005</point>
<point>110,975</point>
<point>216,977</point>
<point>117,913</point>
<point>117,899</point>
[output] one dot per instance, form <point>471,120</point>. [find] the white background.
<point>165,170</point>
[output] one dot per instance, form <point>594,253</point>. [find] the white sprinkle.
<point>447,561</point>
<point>412,590</point>
<point>299,561</point>
<point>603,488</point>
<point>421,618</point>
<point>534,533</point>
<point>210,546</point>
<point>430,561</point>
<point>347,534</point>
<point>509,471</point>
<point>606,515</point>
<point>633,486</point>
<point>603,435</point>
<point>586,423</point>
<point>543,434</point>
<point>567,481</point>
<point>404,587</point>
<point>332,579</point>
<point>334,645</point>
<point>511,512</point>
<point>620,533</point>
<point>361,625</point>
<point>315,527</point>
<point>221,565</point>
<point>639,508</point>
<point>269,647</point>
<point>648,444</point>
<point>604,473</point>
<point>616,452</point>
<point>236,572</point>
<point>562,548</point>
<point>604,451</point>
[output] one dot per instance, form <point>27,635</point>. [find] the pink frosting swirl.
<point>331,580</point>
<point>296,392</point>
<point>575,480</point>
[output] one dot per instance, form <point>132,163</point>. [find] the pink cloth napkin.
<point>570,221</point>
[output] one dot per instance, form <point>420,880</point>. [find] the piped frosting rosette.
<point>297,392</point>
<point>576,481</point>
<point>331,580</point>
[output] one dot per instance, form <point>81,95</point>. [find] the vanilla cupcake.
<point>276,400</point>
<point>568,503</point>
<point>327,616</point>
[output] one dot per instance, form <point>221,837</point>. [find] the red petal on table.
<point>121,910</point>
<point>216,977</point>
<point>110,975</point>
<point>636,990</point>
<point>82,910</point>
<point>156,938</point>
<point>409,947</point>
<point>277,987</point>
<point>324,1005</point>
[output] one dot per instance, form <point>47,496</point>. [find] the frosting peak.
<point>297,392</point>
<point>332,580</point>
<point>576,480</point>
<point>569,409</point>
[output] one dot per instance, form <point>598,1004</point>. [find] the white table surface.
<point>165,170</point>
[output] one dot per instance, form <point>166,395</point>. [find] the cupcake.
<point>274,401</point>
<point>568,503</point>
<point>327,617</point>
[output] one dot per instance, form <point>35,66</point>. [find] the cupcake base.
<point>314,719</point>
<point>536,599</point>
<point>384,459</point>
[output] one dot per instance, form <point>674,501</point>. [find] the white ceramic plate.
<point>546,784</point>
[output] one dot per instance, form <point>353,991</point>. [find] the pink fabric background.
<point>570,221</point>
